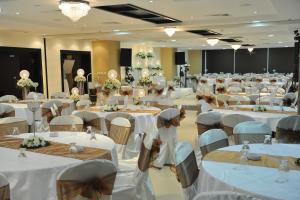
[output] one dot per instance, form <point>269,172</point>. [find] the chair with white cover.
<point>4,188</point>
<point>223,195</point>
<point>251,131</point>
<point>222,100</point>
<point>8,99</point>
<point>35,95</point>
<point>231,120</point>
<point>82,104</point>
<point>8,124</point>
<point>51,109</point>
<point>59,95</point>
<point>234,90</point>
<point>211,140</point>
<point>235,99</point>
<point>208,120</point>
<point>90,119</point>
<point>6,111</point>
<point>203,106</point>
<point>288,130</point>
<point>187,169</point>
<point>93,179</point>
<point>66,123</point>
<point>167,122</point>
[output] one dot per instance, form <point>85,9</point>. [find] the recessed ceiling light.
<point>255,12</point>
<point>280,42</point>
<point>286,46</point>
<point>256,21</point>
<point>173,40</point>
<point>150,1</point>
<point>271,35</point>
<point>122,33</point>
<point>116,30</point>
<point>17,13</point>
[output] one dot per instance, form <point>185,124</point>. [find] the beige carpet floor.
<point>164,181</point>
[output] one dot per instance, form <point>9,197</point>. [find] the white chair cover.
<point>83,103</point>
<point>59,95</point>
<point>211,140</point>
<point>204,106</point>
<point>234,90</point>
<point>209,118</point>
<point>90,170</point>
<point>90,119</point>
<point>288,130</point>
<point>223,195</point>
<point>236,98</point>
<point>187,169</point>
<point>168,137</point>
<point>290,123</point>
<point>6,110</point>
<point>4,188</point>
<point>65,123</point>
<point>232,120</point>
<point>252,131</point>
<point>35,95</point>
<point>8,98</point>
<point>7,125</point>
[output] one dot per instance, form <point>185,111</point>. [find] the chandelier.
<point>212,41</point>
<point>74,9</point>
<point>170,31</point>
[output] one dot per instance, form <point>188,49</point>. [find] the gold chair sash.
<point>252,138</point>
<point>125,115</point>
<point>213,146</point>
<point>187,171</point>
<point>68,127</point>
<point>147,156</point>
<point>203,128</point>
<point>7,114</point>
<point>287,136</point>
<point>119,134</point>
<point>5,192</point>
<point>228,130</point>
<point>93,189</point>
<point>126,92</point>
<point>46,112</point>
<point>167,123</point>
<point>94,123</point>
<point>7,129</point>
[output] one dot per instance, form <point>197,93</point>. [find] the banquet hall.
<point>149,100</point>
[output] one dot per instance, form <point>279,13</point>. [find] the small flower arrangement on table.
<point>141,55</point>
<point>25,83</point>
<point>259,109</point>
<point>111,108</point>
<point>34,142</point>
<point>145,81</point>
<point>75,97</point>
<point>137,101</point>
<point>111,85</point>
<point>80,78</point>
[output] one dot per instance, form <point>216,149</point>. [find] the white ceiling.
<point>279,18</point>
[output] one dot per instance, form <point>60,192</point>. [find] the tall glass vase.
<point>80,86</point>
<point>24,93</point>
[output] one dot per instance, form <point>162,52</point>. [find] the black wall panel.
<point>281,59</point>
<point>219,61</point>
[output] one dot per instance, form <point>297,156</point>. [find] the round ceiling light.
<point>212,41</point>
<point>236,46</point>
<point>74,9</point>
<point>170,31</point>
<point>250,49</point>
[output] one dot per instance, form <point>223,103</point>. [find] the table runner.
<point>268,111</point>
<point>153,112</point>
<point>269,161</point>
<point>58,149</point>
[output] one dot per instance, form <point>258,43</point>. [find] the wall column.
<point>167,60</point>
<point>195,60</point>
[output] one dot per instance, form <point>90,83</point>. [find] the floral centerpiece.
<point>259,109</point>
<point>25,83</point>
<point>75,97</point>
<point>141,55</point>
<point>150,55</point>
<point>111,108</point>
<point>80,78</point>
<point>34,142</point>
<point>137,101</point>
<point>145,81</point>
<point>220,80</point>
<point>111,85</point>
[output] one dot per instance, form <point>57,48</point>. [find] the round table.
<point>256,181</point>
<point>34,177</point>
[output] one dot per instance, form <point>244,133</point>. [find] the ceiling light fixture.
<point>170,31</point>
<point>212,41</point>
<point>236,46</point>
<point>74,9</point>
<point>250,49</point>
<point>271,35</point>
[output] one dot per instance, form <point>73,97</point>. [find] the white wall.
<point>54,45</point>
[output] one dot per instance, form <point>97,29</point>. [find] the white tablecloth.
<point>181,92</point>
<point>34,177</point>
<point>271,119</point>
<point>256,181</point>
<point>22,111</point>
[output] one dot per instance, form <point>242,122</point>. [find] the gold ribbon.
<point>213,146</point>
<point>95,123</point>
<point>5,192</point>
<point>203,128</point>
<point>54,128</point>
<point>187,171</point>
<point>46,112</point>
<point>251,137</point>
<point>287,136</point>
<point>7,114</point>
<point>269,161</point>
<point>7,128</point>
<point>119,134</point>
<point>93,189</point>
<point>167,123</point>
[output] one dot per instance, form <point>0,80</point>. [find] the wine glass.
<point>283,168</point>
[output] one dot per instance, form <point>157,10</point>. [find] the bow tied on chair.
<point>167,123</point>
<point>93,189</point>
<point>4,192</point>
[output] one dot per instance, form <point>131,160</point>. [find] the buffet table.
<point>34,176</point>
<point>219,172</point>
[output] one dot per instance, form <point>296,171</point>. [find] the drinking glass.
<point>268,139</point>
<point>283,168</point>
<point>15,131</point>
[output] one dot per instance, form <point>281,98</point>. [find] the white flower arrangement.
<point>138,67</point>
<point>80,78</point>
<point>259,109</point>
<point>75,97</point>
<point>34,142</point>
<point>25,83</point>
<point>111,85</point>
<point>110,108</point>
<point>141,55</point>
<point>145,81</point>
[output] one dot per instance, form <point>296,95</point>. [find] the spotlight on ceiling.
<point>74,9</point>
<point>250,49</point>
<point>212,41</point>
<point>170,31</point>
<point>236,46</point>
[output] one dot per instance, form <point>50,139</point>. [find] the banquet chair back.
<point>223,195</point>
<point>211,140</point>
<point>51,109</point>
<point>93,179</point>
<point>231,120</point>
<point>234,90</point>
<point>111,116</point>
<point>167,122</point>
<point>90,119</point>
<point>120,130</point>
<point>6,111</point>
<point>207,121</point>
<point>8,124</point>
<point>8,99</point>
<point>82,104</point>
<point>251,131</point>
<point>4,188</point>
<point>66,123</point>
<point>235,99</point>
<point>288,130</point>
<point>33,95</point>
<point>187,169</point>
<point>59,95</point>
